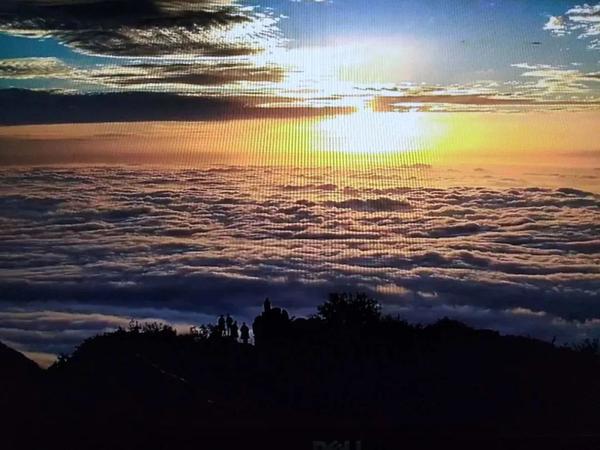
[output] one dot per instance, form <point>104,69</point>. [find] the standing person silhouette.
<point>221,325</point>
<point>245,333</point>
<point>229,322</point>
<point>234,331</point>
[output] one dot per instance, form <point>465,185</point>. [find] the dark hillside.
<point>346,373</point>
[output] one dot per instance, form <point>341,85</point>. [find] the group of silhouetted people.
<point>272,321</point>
<point>227,327</point>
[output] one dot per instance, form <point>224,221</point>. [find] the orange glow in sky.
<point>553,138</point>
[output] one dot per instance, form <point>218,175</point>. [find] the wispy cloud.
<point>583,20</point>
<point>553,88</point>
<point>26,68</point>
<point>223,76</point>
<point>558,81</point>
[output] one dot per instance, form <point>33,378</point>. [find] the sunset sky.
<point>441,78</point>
<point>175,159</point>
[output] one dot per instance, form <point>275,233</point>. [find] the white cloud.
<point>583,20</point>
<point>556,24</point>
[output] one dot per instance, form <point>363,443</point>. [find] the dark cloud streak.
<point>136,27</point>
<point>43,107</point>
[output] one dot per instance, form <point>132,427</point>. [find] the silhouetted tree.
<point>588,346</point>
<point>344,309</point>
<point>157,329</point>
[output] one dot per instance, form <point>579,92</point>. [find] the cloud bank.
<point>85,249</point>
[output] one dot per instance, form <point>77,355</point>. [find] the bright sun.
<point>371,132</point>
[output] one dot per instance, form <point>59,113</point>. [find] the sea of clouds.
<point>85,249</point>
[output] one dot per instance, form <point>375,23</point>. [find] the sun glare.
<point>367,132</point>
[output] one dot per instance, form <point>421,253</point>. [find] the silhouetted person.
<point>245,333</point>
<point>267,304</point>
<point>229,323</point>
<point>234,331</point>
<point>221,326</point>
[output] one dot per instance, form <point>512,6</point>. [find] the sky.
<point>296,63</point>
<point>173,159</point>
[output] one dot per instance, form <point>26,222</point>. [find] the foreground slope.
<point>348,373</point>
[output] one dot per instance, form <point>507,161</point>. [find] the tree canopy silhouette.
<point>349,310</point>
<point>349,368</point>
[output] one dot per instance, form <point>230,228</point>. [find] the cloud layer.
<point>107,244</point>
<point>186,76</point>
<point>142,27</point>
